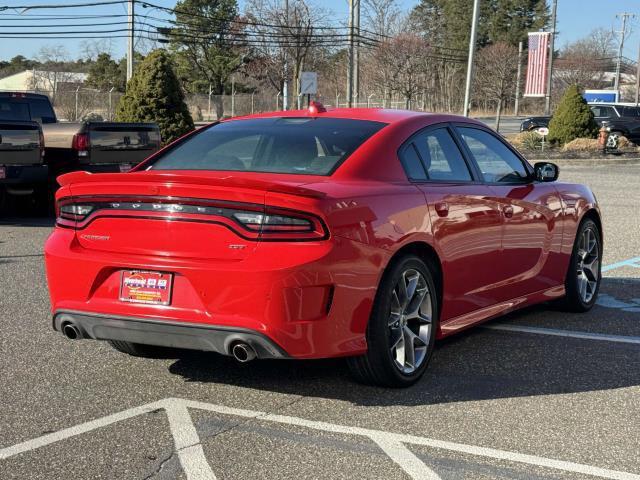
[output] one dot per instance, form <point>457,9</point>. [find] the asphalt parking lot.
<point>539,394</point>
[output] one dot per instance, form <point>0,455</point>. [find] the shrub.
<point>154,95</point>
<point>582,145</point>
<point>572,119</point>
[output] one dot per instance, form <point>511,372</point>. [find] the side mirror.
<point>546,171</point>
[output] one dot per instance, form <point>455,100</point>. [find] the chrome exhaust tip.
<point>72,332</point>
<point>243,352</point>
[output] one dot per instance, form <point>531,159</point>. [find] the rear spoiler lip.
<point>172,178</point>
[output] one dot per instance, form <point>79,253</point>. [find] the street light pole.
<point>131,39</point>
<point>472,51</point>
<point>285,88</point>
<point>623,32</point>
<point>547,100</point>
<point>350,68</point>
<point>518,76</point>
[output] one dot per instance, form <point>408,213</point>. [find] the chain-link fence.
<point>86,104</point>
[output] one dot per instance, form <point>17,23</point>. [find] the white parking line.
<point>195,464</point>
<point>565,333</point>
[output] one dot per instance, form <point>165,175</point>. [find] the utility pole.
<point>638,80</point>
<point>622,33</point>
<point>472,51</point>
<point>356,53</point>
<point>350,68</point>
<point>547,100</point>
<point>131,39</point>
<point>516,107</point>
<point>285,88</point>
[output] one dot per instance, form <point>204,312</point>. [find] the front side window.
<point>441,156</point>
<point>496,161</point>
<point>313,146</point>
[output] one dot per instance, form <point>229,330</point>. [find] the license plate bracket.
<point>147,287</point>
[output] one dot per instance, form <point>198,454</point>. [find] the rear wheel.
<point>141,350</point>
<point>584,276</point>
<point>401,330</point>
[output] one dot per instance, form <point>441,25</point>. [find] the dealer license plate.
<point>152,288</point>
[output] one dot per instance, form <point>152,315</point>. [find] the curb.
<point>589,162</point>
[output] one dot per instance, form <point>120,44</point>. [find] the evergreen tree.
<point>105,74</point>
<point>572,119</point>
<point>447,23</point>
<point>154,95</point>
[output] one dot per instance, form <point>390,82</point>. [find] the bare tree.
<point>496,70</point>
<point>381,17</point>
<point>400,66</point>
<point>283,37</point>
<point>53,73</point>
<point>586,61</point>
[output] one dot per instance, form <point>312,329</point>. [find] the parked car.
<point>22,168</point>
<point>359,233</point>
<point>70,146</point>
<point>623,120</point>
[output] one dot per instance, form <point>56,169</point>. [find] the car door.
<point>603,113</point>
<point>465,219</point>
<point>530,211</point>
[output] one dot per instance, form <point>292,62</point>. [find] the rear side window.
<point>630,112</point>
<point>602,111</point>
<point>412,164</point>
<point>313,146</point>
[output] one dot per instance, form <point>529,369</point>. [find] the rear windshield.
<point>312,146</point>
<point>26,109</point>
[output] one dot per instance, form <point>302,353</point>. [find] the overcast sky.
<point>576,18</point>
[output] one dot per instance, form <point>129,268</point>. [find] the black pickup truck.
<point>64,146</point>
<point>22,167</point>
<point>622,119</point>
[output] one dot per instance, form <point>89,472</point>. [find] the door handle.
<point>442,209</point>
<point>508,211</point>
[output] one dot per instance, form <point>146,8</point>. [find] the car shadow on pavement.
<point>479,364</point>
<point>27,221</point>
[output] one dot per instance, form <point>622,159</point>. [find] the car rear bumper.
<point>165,333</point>
<point>311,300</point>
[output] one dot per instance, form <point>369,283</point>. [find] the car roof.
<point>22,95</point>
<point>383,115</point>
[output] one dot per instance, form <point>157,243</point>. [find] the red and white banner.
<point>536,84</point>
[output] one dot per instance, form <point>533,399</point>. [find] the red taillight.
<point>41,144</point>
<point>249,221</point>
<point>80,144</point>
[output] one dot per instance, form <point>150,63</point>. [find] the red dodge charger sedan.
<point>359,233</point>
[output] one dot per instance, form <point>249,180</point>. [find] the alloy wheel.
<point>588,268</point>
<point>410,321</point>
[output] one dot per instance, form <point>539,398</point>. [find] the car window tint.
<point>412,164</point>
<point>441,156</point>
<point>602,111</point>
<point>497,163</point>
<point>630,112</point>
<point>41,110</point>
<point>11,110</point>
<point>303,145</point>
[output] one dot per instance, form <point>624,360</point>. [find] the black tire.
<point>140,350</point>
<point>378,366</point>
<point>573,300</point>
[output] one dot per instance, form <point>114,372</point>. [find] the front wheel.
<point>402,327</point>
<point>584,276</point>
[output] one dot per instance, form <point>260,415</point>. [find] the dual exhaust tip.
<point>71,331</point>
<point>241,351</point>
